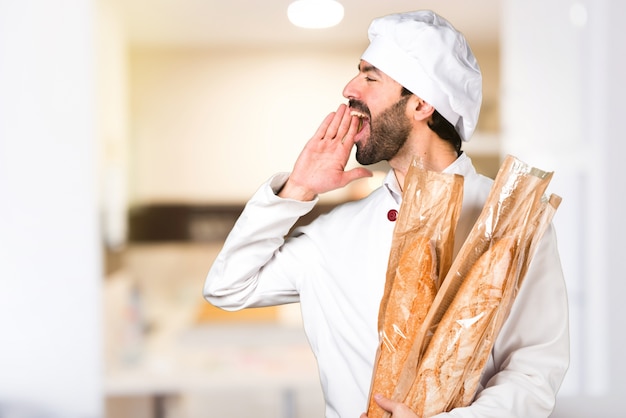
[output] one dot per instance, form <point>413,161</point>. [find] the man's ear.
<point>420,109</point>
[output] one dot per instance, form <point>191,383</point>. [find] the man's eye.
<point>368,79</point>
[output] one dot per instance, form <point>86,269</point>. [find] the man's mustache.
<point>359,106</point>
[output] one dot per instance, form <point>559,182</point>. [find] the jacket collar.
<point>462,165</point>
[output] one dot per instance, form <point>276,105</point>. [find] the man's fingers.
<point>397,409</point>
<point>323,128</point>
<point>353,127</point>
<point>345,124</point>
<point>356,173</point>
<point>337,123</point>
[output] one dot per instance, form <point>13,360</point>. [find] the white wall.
<point>50,333</point>
<point>113,113</point>
<point>609,122</point>
<point>211,125</point>
<point>562,75</point>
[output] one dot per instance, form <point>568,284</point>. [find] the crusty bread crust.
<point>410,295</point>
<point>462,329</point>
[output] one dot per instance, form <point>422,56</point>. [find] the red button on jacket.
<point>392,215</point>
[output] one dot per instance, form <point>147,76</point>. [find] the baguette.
<point>411,294</point>
<point>541,217</point>
<point>461,331</point>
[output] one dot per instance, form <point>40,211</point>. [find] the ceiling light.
<point>315,14</point>
<point>578,15</point>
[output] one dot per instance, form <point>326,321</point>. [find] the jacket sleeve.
<point>531,354</point>
<point>251,270</point>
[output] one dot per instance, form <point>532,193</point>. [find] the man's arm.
<point>246,272</point>
<point>252,247</point>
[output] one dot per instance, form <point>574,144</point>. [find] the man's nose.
<point>350,91</point>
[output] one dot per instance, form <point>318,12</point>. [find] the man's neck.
<point>437,156</point>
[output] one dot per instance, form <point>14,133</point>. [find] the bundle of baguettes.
<point>442,368</point>
<point>420,256</point>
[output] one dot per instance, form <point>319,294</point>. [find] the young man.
<point>417,94</point>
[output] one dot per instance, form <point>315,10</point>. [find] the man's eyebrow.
<point>366,68</point>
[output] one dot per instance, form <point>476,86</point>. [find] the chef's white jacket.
<point>336,268</point>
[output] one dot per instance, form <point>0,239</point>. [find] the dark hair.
<point>440,125</point>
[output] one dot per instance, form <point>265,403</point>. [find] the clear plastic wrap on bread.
<point>442,368</point>
<point>420,256</point>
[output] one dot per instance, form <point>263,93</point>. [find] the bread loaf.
<point>461,331</point>
<point>540,220</point>
<point>420,256</point>
<point>410,295</point>
<point>443,364</point>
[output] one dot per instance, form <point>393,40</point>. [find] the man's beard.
<point>387,134</point>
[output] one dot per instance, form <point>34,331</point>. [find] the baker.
<point>417,94</point>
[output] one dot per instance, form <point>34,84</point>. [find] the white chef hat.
<point>425,54</point>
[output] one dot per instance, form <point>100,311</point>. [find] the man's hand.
<point>397,409</point>
<point>321,165</point>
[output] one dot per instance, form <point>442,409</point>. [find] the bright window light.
<point>315,14</point>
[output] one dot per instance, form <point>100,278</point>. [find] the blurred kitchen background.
<point>133,131</point>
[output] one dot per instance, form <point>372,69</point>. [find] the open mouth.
<point>362,118</point>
